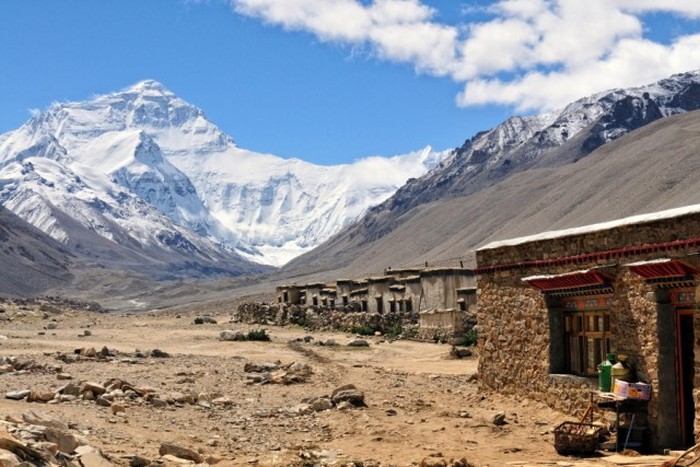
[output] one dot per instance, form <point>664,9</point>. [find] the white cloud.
<point>530,54</point>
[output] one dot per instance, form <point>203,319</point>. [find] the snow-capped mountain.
<point>531,148</point>
<point>554,138</point>
<point>144,167</point>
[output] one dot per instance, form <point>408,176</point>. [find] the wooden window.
<point>586,332</point>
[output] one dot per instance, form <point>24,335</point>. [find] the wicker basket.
<point>576,438</point>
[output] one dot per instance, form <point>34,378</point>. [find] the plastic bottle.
<point>604,373</point>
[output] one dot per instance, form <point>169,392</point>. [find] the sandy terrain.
<point>420,405</point>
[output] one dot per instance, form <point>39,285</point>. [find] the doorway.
<point>683,301</point>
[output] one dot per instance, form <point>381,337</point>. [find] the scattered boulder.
<point>261,367</point>
<point>34,418</point>
<point>65,440</point>
<point>40,396</point>
<point>358,343</point>
<point>228,335</point>
<point>52,325</point>
<point>276,373</point>
<point>499,419</point>
<point>157,353</point>
<point>348,393</point>
<point>90,386</point>
<point>180,451</point>
<point>460,352</point>
<point>18,395</point>
<point>204,319</point>
<point>8,459</point>
<point>320,404</point>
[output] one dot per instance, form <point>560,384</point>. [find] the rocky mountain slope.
<point>31,260</point>
<point>582,164</point>
<point>144,169</point>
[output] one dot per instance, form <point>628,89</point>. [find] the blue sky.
<point>330,81</point>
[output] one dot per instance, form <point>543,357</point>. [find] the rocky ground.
<point>80,387</point>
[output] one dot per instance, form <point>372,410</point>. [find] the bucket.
<point>619,371</point>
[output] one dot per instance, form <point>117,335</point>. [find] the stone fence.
<point>317,318</point>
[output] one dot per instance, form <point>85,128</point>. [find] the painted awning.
<point>662,268</point>
<point>569,280</point>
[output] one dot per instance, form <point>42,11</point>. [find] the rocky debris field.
<point>79,388</point>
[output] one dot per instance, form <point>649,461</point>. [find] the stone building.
<point>439,287</point>
<point>442,314</point>
<point>359,295</point>
<point>290,295</point>
<point>378,294</point>
<point>551,306</point>
<point>312,293</point>
<point>343,289</point>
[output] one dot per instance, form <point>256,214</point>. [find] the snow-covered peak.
<point>149,86</point>
<point>164,151</point>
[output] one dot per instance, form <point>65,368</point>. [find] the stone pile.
<point>342,398</point>
<point>276,373</point>
<point>118,395</point>
<point>43,441</point>
<point>18,366</point>
<point>40,440</point>
<point>108,355</point>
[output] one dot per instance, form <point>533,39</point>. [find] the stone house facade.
<point>551,306</point>
<point>439,297</point>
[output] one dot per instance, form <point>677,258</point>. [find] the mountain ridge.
<point>540,144</point>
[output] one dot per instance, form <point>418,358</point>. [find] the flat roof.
<point>632,220</point>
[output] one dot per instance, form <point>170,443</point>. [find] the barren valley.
<point>155,388</point>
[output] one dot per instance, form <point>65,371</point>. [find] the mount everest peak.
<point>145,169</point>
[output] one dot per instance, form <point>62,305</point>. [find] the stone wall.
<point>322,319</point>
<point>440,325</point>
<point>514,318</point>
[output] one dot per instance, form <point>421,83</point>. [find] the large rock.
<point>96,388</point>
<point>8,459</point>
<point>348,393</point>
<point>260,367</point>
<point>180,451</point>
<point>40,396</point>
<point>31,456</point>
<point>228,335</point>
<point>358,343</point>
<point>34,418</point>
<point>204,319</point>
<point>18,395</point>
<point>66,441</point>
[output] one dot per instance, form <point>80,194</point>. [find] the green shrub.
<point>469,339</point>
<point>364,330</point>
<point>395,331</point>
<point>258,335</point>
